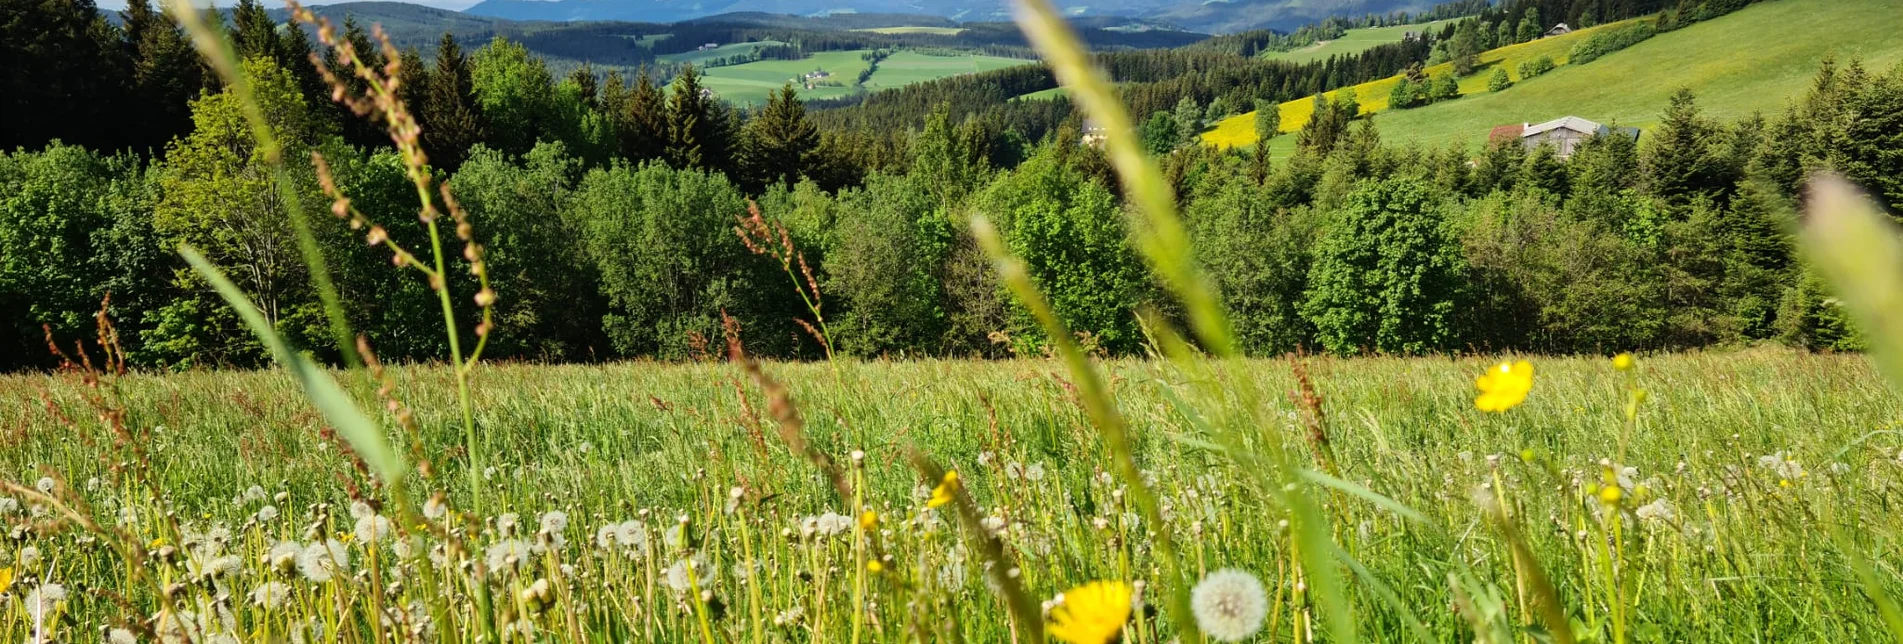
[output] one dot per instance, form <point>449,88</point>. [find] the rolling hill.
<point>1353,42</point>
<point>1753,60</point>
<point>1209,16</point>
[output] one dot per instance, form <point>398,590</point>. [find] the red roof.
<point>1505,132</point>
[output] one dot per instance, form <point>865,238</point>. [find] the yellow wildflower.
<point>869,520</point>
<point>1610,494</point>
<point>1622,361</point>
<point>874,566</point>
<point>1504,386</point>
<point>1093,613</point>
<point>942,494</point>
<point>6,578</point>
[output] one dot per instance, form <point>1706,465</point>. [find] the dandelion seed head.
<point>270,595</point>
<point>1229,605</point>
<point>506,524</point>
<point>554,521</point>
<point>267,514</point>
<point>372,529</point>
<point>120,636</point>
<point>323,561</point>
<point>360,509</point>
<point>435,509</point>
<point>29,557</point>
<point>284,556</point>
<point>46,484</point>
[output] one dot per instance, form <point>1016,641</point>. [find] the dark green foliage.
<point>780,140</point>
<point>451,120</point>
<point>889,241</point>
<point>1159,133</point>
<point>1388,275</point>
<point>1683,161</point>
<point>1530,26</point>
<point>1258,251</point>
<point>253,33</point>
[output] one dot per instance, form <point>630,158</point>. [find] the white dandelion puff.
<point>270,595</point>
<point>267,514</point>
<point>121,636</point>
<point>1659,510</point>
<point>46,485</point>
<point>1229,605</point>
<point>506,524</point>
<point>509,554</point>
<point>283,556</point>
<point>29,557</point>
<point>372,529</point>
<point>44,600</point>
<point>435,509</point>
<point>323,560</point>
<point>554,521</point>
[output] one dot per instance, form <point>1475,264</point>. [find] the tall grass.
<point>1677,500</point>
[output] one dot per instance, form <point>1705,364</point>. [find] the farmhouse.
<point>1093,133</point>
<point>1564,133</point>
<point>1558,30</point>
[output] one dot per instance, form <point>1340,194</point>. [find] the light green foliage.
<point>513,94</point>
<point>1499,80</point>
<point>1535,67</point>
<point>1159,133</point>
<point>662,241</point>
<point>1388,276</point>
<point>218,194</point>
<point>1189,119</point>
<point>1268,119</point>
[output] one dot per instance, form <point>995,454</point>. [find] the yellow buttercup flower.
<point>942,494</point>
<point>6,578</point>
<point>1622,361</point>
<point>874,566</point>
<point>1093,613</point>
<point>869,520</point>
<point>1504,386</point>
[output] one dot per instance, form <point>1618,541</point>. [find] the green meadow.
<point>1354,41</point>
<point>906,67</point>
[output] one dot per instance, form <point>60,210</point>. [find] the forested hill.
<point>607,201</point>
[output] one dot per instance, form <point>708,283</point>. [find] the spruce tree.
<point>689,120</point>
<point>780,139</point>
<point>454,121</point>
<point>1530,26</point>
<point>589,88</point>
<point>252,31</point>
<point>1682,162</point>
<point>166,76</point>
<point>646,135</point>
<point>294,52</point>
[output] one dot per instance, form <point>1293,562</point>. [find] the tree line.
<point>609,211</point>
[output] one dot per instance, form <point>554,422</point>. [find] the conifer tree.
<point>1682,162</point>
<point>253,33</point>
<point>689,121</point>
<point>166,75</point>
<point>780,139</point>
<point>584,79</point>
<point>453,122</point>
<point>646,133</point>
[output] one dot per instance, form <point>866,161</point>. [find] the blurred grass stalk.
<point>1158,232</point>
<point>1856,247</point>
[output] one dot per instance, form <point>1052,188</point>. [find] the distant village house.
<point>1558,30</point>
<point>1094,133</point>
<point>1564,133</point>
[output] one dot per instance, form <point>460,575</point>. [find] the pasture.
<point>1753,60</point>
<point>662,502</point>
<point>1353,42</point>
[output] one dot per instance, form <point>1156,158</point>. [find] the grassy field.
<point>657,502</point>
<point>731,49</point>
<point>937,31</point>
<point>1754,60</point>
<point>750,83</point>
<point>1354,41</point>
<point>906,67</point>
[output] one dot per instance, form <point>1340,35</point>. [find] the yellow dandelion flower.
<point>942,494</point>
<point>1093,613</point>
<point>874,566</point>
<point>869,520</point>
<point>1610,494</point>
<point>6,578</point>
<point>1622,361</point>
<point>1504,386</point>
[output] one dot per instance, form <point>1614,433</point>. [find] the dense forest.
<point>609,207</point>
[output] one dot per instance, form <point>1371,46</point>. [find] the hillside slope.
<point>1752,60</point>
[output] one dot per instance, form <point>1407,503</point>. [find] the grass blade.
<point>324,393</point>
<point>1855,246</point>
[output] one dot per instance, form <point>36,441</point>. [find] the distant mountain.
<point>1206,16</point>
